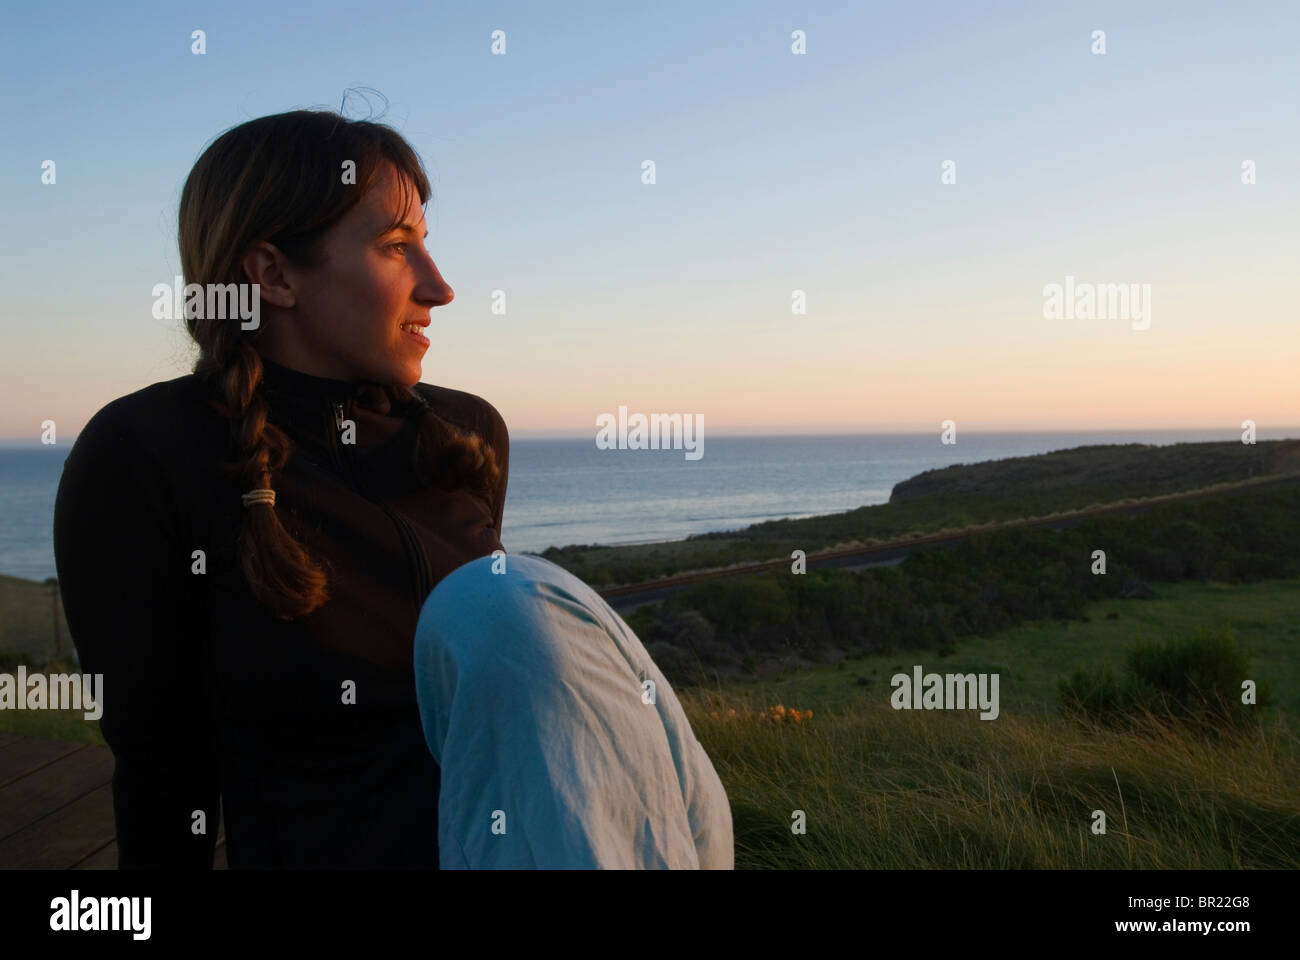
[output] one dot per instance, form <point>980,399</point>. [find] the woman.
<point>244,554</point>
<point>244,551</point>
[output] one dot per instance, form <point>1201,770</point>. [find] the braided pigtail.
<point>281,573</point>
<point>445,455</point>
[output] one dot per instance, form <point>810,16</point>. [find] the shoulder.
<point>468,410</point>
<point>152,412</point>
<point>165,419</point>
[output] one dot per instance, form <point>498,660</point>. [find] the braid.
<point>446,455</point>
<point>281,573</point>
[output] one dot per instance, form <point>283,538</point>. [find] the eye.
<point>400,243</point>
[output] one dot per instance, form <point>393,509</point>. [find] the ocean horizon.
<point>564,490</point>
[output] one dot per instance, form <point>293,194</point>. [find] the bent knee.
<point>506,601</point>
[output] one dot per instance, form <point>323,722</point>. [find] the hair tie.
<point>261,495</point>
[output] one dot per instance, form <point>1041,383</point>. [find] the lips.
<point>413,330</point>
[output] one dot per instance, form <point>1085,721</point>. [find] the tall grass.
<point>937,789</point>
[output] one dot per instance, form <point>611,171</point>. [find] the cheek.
<point>359,307</point>
<point>390,305</point>
<point>368,310</point>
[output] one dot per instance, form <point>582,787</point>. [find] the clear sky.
<point>775,172</point>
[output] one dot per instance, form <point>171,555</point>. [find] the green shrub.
<point>1095,695</point>
<point>1198,678</point>
<point>1195,680</point>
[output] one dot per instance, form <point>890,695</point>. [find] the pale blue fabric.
<point>532,699</point>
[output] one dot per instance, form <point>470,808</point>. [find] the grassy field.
<point>1265,616</point>
<point>881,788</point>
<point>885,789</point>
<point>27,621</point>
<point>920,789</point>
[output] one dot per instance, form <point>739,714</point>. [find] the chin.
<point>400,373</point>
<point>408,375</point>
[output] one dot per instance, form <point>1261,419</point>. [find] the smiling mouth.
<point>413,330</point>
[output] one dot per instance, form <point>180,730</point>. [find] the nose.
<point>432,290</point>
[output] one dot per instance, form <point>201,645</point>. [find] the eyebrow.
<point>405,228</point>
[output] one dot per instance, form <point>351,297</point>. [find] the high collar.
<point>294,384</point>
<point>293,388</point>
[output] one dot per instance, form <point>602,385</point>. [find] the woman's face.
<point>345,318</point>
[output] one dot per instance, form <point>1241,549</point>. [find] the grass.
<point>54,724</point>
<point>922,789</point>
<point>27,625</point>
<point>1032,656</point>
<point>916,789</point>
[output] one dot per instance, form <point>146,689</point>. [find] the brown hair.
<point>279,179</point>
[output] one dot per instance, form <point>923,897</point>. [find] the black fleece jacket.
<point>306,733</point>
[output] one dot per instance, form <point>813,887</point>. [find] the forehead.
<point>392,198</point>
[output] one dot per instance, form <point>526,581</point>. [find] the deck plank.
<point>105,858</point>
<point>52,787</point>
<point>29,754</point>
<point>65,836</point>
<point>56,806</point>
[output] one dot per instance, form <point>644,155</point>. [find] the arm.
<point>123,572</point>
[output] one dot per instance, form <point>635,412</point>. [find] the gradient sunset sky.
<point>775,172</point>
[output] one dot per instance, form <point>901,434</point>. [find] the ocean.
<point>566,491</point>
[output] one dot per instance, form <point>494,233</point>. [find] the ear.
<point>264,264</point>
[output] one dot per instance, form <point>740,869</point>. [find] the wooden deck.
<point>56,806</point>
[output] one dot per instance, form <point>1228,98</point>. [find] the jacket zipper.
<point>405,532</point>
